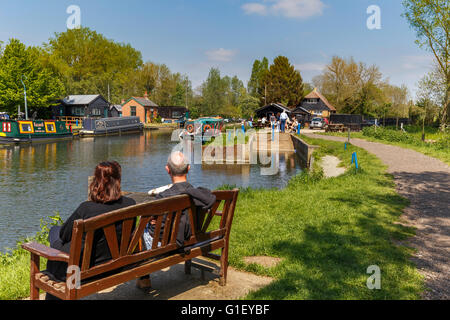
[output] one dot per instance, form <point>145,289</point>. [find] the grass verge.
<point>411,139</point>
<point>327,233</point>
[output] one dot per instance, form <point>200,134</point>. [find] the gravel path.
<point>425,181</point>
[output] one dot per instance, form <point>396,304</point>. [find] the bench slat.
<point>127,227</point>
<point>111,238</point>
<point>87,253</point>
<point>138,234</point>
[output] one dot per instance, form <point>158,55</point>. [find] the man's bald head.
<point>177,164</point>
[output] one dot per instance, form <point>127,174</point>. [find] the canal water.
<point>38,180</point>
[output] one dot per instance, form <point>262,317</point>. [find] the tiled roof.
<point>317,95</point>
<point>144,102</point>
<point>80,99</point>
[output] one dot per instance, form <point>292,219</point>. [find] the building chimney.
<point>123,101</point>
<point>146,95</point>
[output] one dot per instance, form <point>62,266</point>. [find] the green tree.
<point>214,91</point>
<point>256,84</point>
<point>352,87</point>
<point>89,63</point>
<point>431,21</point>
<point>248,104</point>
<point>43,87</point>
<point>284,83</point>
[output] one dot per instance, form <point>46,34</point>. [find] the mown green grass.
<point>439,149</point>
<point>326,231</point>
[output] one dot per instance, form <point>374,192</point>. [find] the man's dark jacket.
<point>203,200</point>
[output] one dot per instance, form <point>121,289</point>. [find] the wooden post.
<point>35,266</point>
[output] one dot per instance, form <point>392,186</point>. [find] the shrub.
<point>390,135</point>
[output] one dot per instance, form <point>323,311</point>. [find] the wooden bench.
<point>129,261</point>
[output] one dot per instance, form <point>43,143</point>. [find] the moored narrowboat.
<point>27,131</point>
<point>206,128</point>
<point>111,126</point>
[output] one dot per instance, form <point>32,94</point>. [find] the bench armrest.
<point>46,252</point>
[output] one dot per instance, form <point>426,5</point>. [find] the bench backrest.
<point>125,251</point>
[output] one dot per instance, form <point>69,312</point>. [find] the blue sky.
<point>191,36</point>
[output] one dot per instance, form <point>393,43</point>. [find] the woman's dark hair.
<point>105,186</point>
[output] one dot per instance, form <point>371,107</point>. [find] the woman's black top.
<point>85,211</point>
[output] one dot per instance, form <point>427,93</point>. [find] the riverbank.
<point>326,233</point>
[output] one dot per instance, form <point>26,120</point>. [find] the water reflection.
<point>37,180</point>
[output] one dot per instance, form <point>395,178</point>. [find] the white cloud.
<point>286,8</point>
<point>221,55</point>
<point>255,8</point>
<point>310,66</point>
<point>416,62</point>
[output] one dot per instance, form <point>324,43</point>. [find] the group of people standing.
<point>281,122</point>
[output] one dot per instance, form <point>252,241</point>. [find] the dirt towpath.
<point>425,181</point>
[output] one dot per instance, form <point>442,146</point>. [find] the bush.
<point>390,135</point>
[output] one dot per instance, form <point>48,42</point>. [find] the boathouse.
<point>273,108</point>
<point>316,104</point>
<point>82,106</point>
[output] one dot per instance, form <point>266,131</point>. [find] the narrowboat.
<point>26,131</point>
<point>206,128</point>
<point>111,126</point>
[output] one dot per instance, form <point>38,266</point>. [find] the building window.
<point>78,111</point>
<point>96,112</point>
<point>133,111</point>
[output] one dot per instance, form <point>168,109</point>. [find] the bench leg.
<point>34,268</point>
<point>187,267</point>
<point>223,267</point>
<point>144,282</point>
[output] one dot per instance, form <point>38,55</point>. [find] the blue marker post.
<point>299,127</point>
<point>243,128</point>
<point>355,160</point>
<point>77,122</point>
<point>345,146</point>
<point>273,132</point>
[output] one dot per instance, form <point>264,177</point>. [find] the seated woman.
<point>104,196</point>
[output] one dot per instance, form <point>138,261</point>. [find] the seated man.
<point>178,169</point>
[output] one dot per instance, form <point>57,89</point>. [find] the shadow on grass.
<point>331,261</point>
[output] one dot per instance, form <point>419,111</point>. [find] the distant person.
<point>273,121</point>
<point>294,125</point>
<point>263,121</point>
<point>104,196</point>
<point>283,119</point>
<point>178,169</point>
